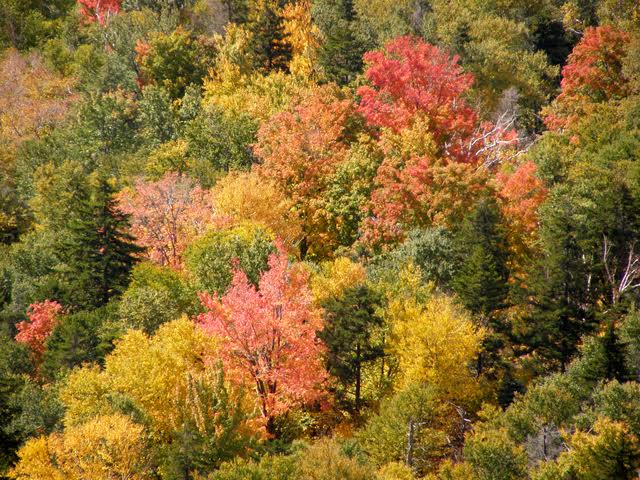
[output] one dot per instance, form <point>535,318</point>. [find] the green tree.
<point>341,50</point>
<point>211,258</point>
<point>97,253</point>
<point>351,321</point>
<point>78,338</point>
<point>481,281</point>
<point>412,426</point>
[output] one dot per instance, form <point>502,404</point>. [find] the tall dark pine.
<point>349,334</point>
<point>97,252</point>
<point>268,43</point>
<point>482,281</point>
<point>341,51</point>
<point>560,291</point>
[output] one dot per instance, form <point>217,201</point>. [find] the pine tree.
<point>341,51</point>
<point>98,253</point>
<point>481,282</point>
<point>614,350</point>
<point>349,334</point>
<point>268,43</point>
<point>559,291</point>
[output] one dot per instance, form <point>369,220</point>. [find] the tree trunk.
<point>410,443</point>
<point>358,377</point>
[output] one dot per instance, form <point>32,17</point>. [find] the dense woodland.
<point>320,239</point>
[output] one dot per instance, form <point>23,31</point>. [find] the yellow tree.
<point>336,276</point>
<point>246,197</point>
<point>433,339</point>
<point>105,448</point>
<point>304,37</point>
<point>195,418</point>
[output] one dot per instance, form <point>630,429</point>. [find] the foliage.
<point>593,74</point>
<point>300,149</point>
<point>43,318</point>
<point>268,335</point>
<point>212,258</point>
<point>422,332</point>
<point>166,215</point>
<point>249,198</point>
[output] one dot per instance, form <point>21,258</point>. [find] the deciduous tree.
<point>43,318</point>
<point>268,336</point>
<point>166,215</point>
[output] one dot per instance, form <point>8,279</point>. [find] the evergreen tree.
<point>98,253</point>
<point>614,351</point>
<point>349,334</point>
<point>482,281</point>
<point>75,340</point>
<point>268,43</point>
<point>341,51</point>
<point>559,290</point>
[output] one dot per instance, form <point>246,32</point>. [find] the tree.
<point>412,427</point>
<point>494,456</point>
<point>32,97</point>
<point>268,41</point>
<point>521,194</point>
<point>481,282</point>
<point>482,279</point>
<point>416,187</point>
<point>99,10</point>
<point>608,451</point>
<point>156,295</point>
<point>75,340</point>
<point>250,198</point>
<point>350,323</point>
<point>166,215</point>
<point>560,294</point>
<point>106,447</point>
<point>268,336</point>
<point>423,326</point>
<point>341,50</point>
<point>194,418</point>
<point>300,149</point>
<point>98,253</point>
<point>593,74</point>
<point>174,61</point>
<point>436,83</point>
<point>303,37</point>
<point>212,258</point>
<point>43,318</point>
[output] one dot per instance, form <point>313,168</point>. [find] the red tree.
<point>435,145</point>
<point>268,335</point>
<point>300,149</point>
<point>410,77</point>
<point>593,74</point>
<point>166,215</point>
<point>99,10</point>
<point>43,317</point>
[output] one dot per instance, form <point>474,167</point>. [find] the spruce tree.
<point>559,291</point>
<point>481,282</point>
<point>349,334</point>
<point>341,51</point>
<point>268,43</point>
<point>614,350</point>
<point>97,251</point>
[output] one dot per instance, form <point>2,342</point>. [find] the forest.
<point>319,239</point>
